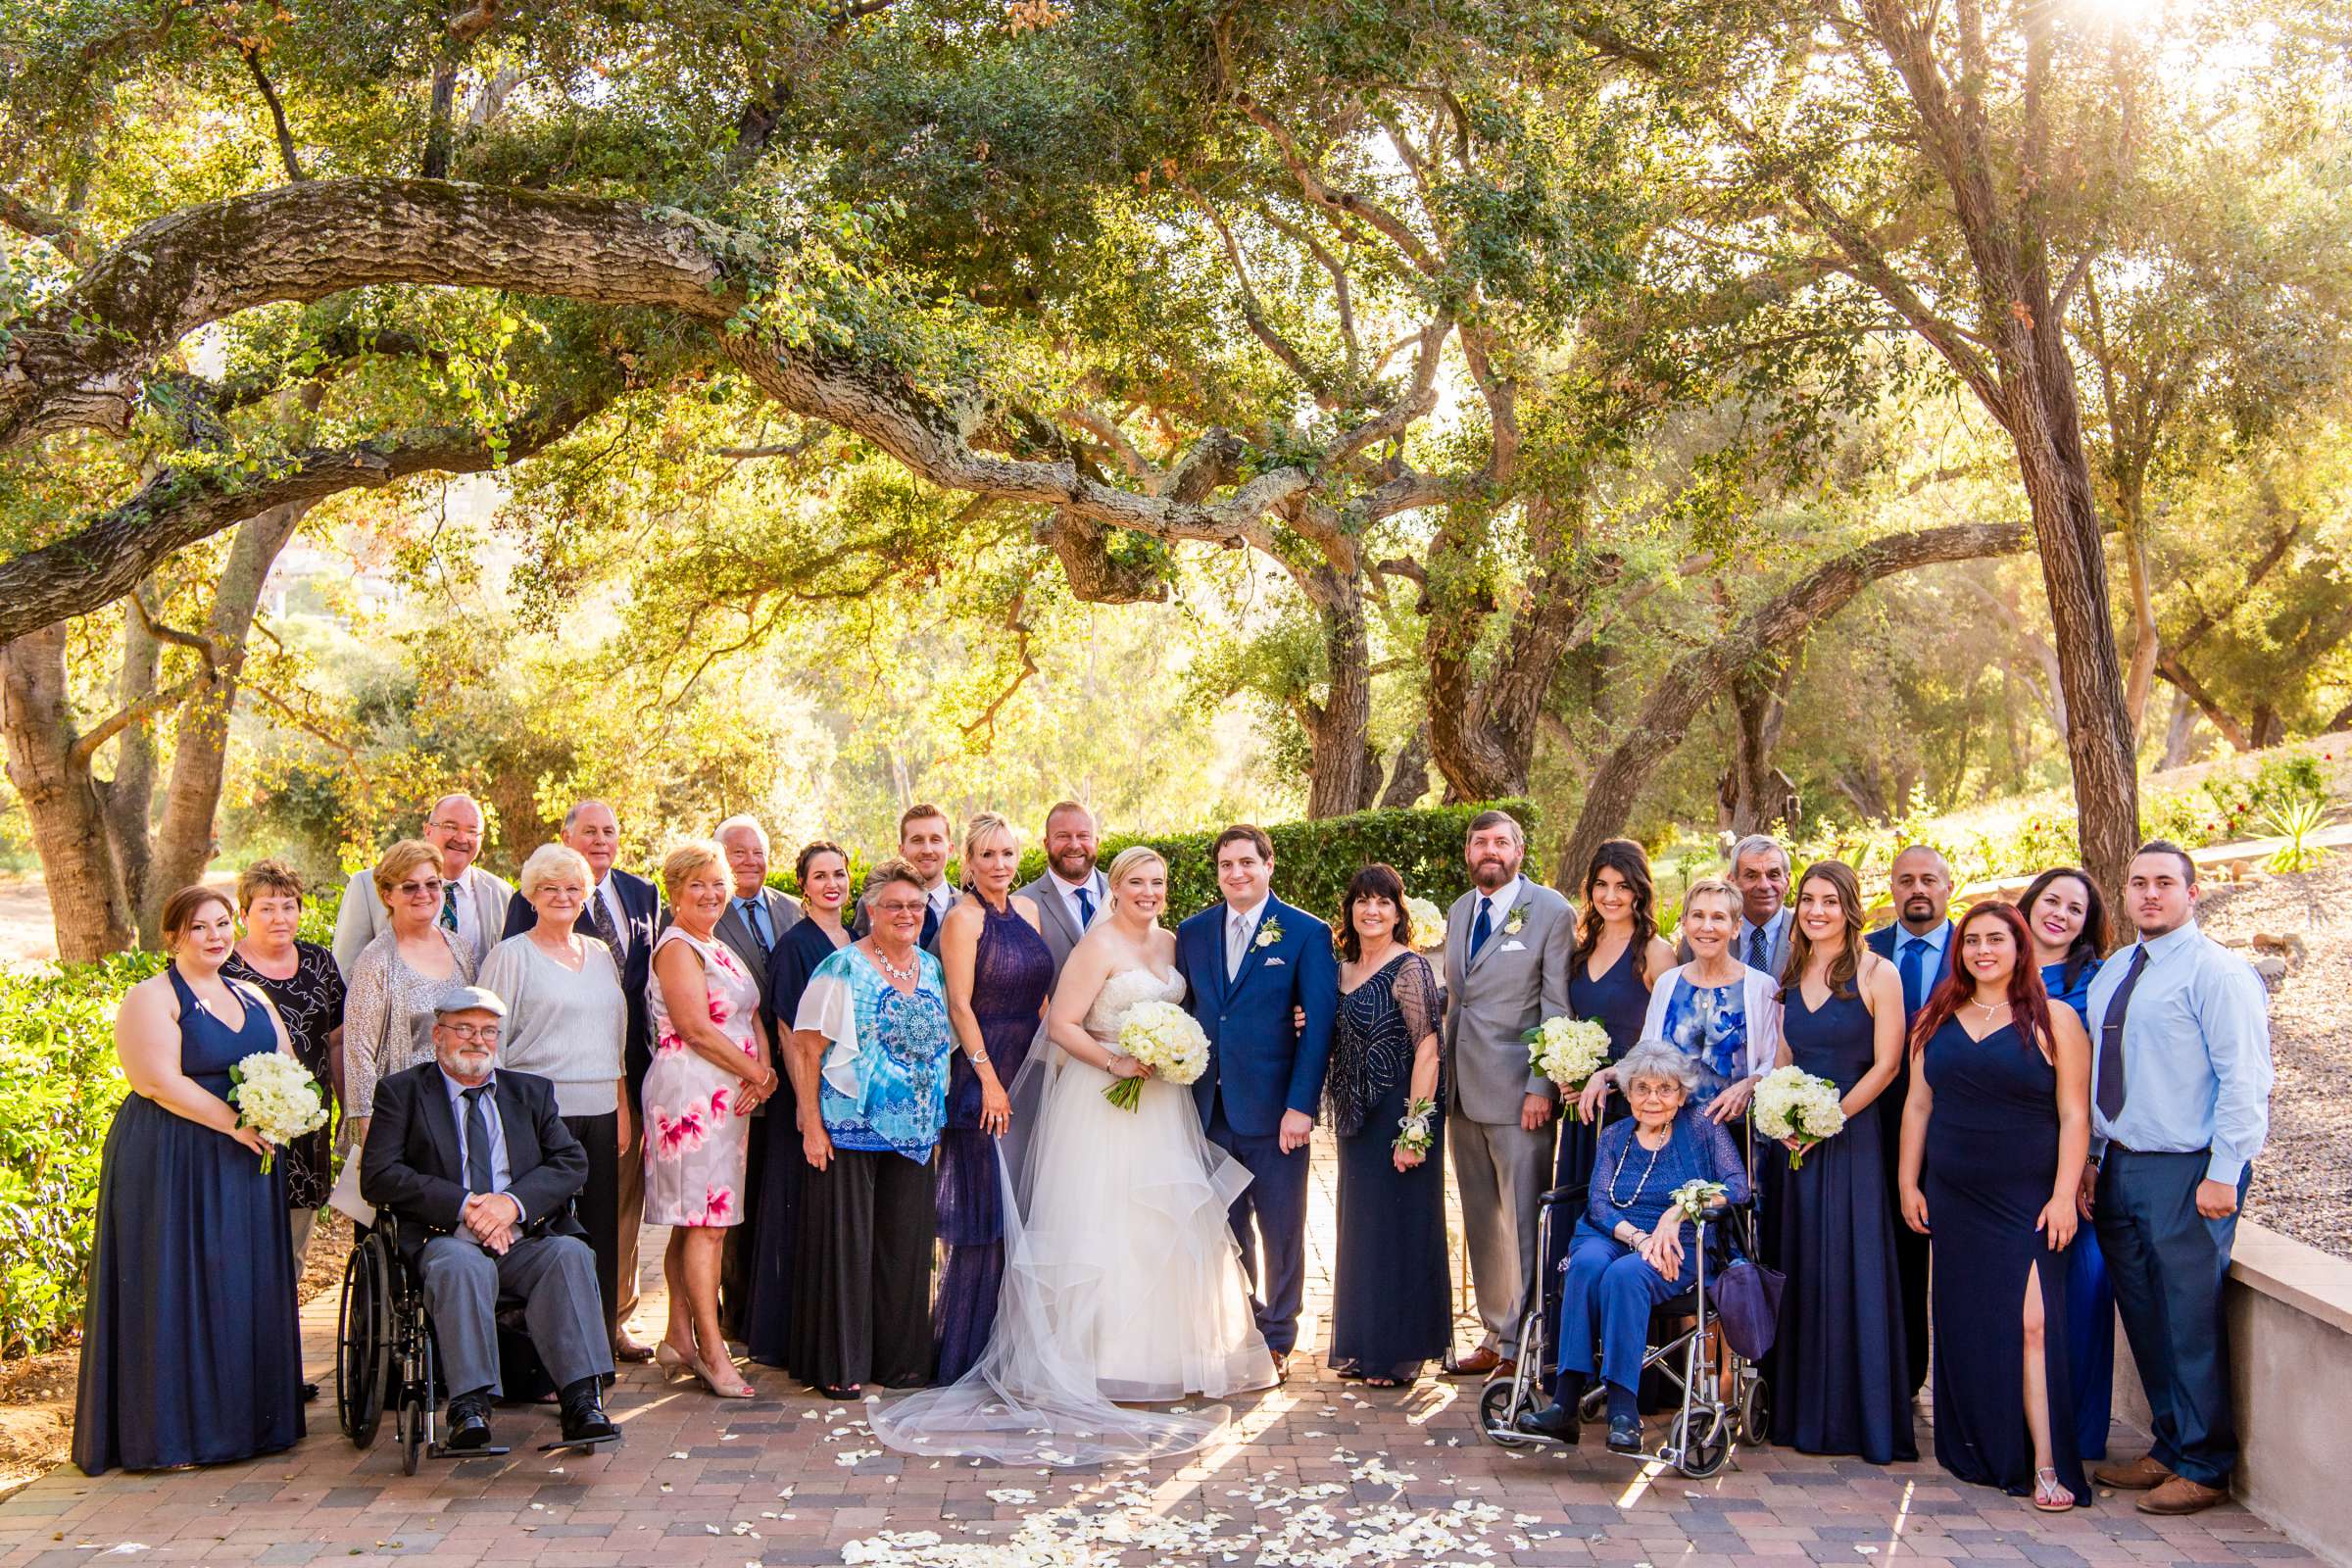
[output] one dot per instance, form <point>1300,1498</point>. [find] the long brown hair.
<point>2028,1002</point>
<point>1624,857</point>
<point>1843,969</point>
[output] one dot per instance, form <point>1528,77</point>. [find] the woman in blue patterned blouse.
<point>870,1069</point>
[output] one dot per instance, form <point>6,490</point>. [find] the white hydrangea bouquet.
<point>1428,922</point>
<point>1696,1196</point>
<point>1792,1102</point>
<point>277,1096</point>
<point>1164,1037</point>
<point>1568,1051</point>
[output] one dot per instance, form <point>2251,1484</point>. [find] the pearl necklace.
<point>1624,1154</point>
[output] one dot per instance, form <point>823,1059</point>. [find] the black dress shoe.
<point>584,1418</point>
<point>310,1393</point>
<point>1624,1433</point>
<point>1557,1422</point>
<point>468,1421</point>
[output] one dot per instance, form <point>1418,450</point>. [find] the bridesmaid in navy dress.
<point>999,970</point>
<point>2068,922</point>
<point>1618,953</point>
<point>823,870</point>
<point>190,1351</point>
<point>1838,1374</point>
<point>1999,1114</point>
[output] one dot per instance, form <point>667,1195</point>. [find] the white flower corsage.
<point>1695,1197</point>
<point>1515,921</point>
<point>1413,1135</point>
<point>1268,933</point>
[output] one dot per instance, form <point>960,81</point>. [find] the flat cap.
<point>468,998</point>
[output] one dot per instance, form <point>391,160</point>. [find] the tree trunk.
<point>129,797</point>
<point>1338,728</point>
<point>2188,684</point>
<point>2180,732</point>
<point>1685,688</point>
<point>1408,775</point>
<point>183,843</point>
<point>86,900</point>
<point>2143,674</point>
<point>1754,793</point>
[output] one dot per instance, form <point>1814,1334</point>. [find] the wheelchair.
<point>386,1357</point>
<point>1723,1398</point>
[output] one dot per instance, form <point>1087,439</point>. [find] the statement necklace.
<point>905,976</point>
<point>1622,1155</point>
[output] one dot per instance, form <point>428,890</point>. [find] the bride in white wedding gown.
<point>1122,1281</point>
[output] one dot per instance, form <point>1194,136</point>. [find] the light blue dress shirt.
<point>2196,1052</point>
<point>502,1173</point>
<point>1935,937</point>
<point>1772,934</point>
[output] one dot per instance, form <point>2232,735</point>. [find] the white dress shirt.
<point>1069,892</point>
<point>1500,906</point>
<point>942,898</point>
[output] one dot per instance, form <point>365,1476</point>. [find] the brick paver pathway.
<point>1317,1475</point>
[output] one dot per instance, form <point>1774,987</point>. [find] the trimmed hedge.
<point>59,1087</point>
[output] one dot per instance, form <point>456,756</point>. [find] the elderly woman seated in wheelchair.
<point>471,1173</point>
<point>1634,1249</point>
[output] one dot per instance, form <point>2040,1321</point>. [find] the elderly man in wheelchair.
<point>1634,1249</point>
<point>481,1173</point>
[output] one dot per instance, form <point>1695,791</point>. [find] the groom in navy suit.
<point>1250,964</point>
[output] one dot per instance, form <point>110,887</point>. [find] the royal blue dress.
<point>1011,972</point>
<point>767,1320</point>
<point>1992,1162</point>
<point>2090,1320</point>
<point>1840,1376</point>
<point>191,1352</point>
<point>1617,1002</point>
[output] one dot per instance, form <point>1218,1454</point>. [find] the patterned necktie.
<point>1086,907</point>
<point>756,918</point>
<point>1915,973</point>
<point>1484,926</point>
<point>2110,1039</point>
<point>449,905</point>
<point>477,1141</point>
<point>602,918</point>
<point>1759,950</point>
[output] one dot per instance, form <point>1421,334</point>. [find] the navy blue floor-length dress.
<point>1838,1376</point>
<point>767,1318</point>
<point>2089,1298</point>
<point>1617,1002</point>
<point>1991,1163</point>
<point>191,1352</point>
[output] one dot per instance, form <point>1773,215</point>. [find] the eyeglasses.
<point>1645,1089</point>
<point>410,890</point>
<point>900,907</point>
<point>484,1031</point>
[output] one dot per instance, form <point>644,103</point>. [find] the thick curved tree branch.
<point>64,235</point>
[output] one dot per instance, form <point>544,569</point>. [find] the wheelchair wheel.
<point>1755,1411</point>
<point>1701,1442</point>
<point>411,1421</point>
<point>364,1345</point>
<point>1497,1409</point>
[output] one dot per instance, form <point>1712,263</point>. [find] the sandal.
<point>2048,1495</point>
<point>1383,1383</point>
<point>844,1392</point>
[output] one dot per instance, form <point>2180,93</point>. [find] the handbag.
<point>1748,1304</point>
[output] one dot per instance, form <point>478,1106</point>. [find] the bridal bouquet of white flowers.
<point>275,1096</point>
<point>1164,1037</point>
<point>1568,1051</point>
<point>1428,922</point>
<point>1792,1102</point>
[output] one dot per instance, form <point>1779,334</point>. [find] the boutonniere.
<point>1516,922</point>
<point>1269,932</point>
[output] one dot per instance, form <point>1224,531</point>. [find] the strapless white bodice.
<point>1119,995</point>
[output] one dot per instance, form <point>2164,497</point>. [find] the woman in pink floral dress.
<point>709,1074</point>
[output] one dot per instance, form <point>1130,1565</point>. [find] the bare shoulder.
<point>1027,908</point>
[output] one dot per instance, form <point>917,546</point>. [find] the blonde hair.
<point>548,859</point>
<point>1709,887</point>
<point>1133,855</point>
<point>977,831</point>
<point>686,860</point>
<point>399,860</point>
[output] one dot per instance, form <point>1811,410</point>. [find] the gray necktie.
<point>602,918</point>
<point>1236,943</point>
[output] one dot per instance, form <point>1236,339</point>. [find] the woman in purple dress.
<point>999,970</point>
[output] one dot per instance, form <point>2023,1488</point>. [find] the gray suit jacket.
<point>783,915</point>
<point>1515,982</point>
<point>364,915</point>
<point>1060,927</point>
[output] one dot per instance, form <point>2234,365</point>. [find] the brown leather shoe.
<point>625,1349</point>
<point>2143,1474</point>
<point>1479,1363</point>
<point>2180,1494</point>
<point>1508,1366</point>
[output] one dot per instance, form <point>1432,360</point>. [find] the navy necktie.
<point>756,918</point>
<point>1759,950</point>
<point>2110,1039</point>
<point>1484,926</point>
<point>1086,908</point>
<point>1915,973</point>
<point>477,1141</point>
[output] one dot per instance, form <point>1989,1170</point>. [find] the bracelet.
<point>978,1058</point>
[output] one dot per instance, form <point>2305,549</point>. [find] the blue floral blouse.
<point>883,1084</point>
<point>1709,1025</point>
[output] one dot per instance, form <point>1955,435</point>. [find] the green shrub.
<point>59,1087</point>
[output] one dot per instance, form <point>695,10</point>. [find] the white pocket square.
<point>1274,964</point>
<point>1514,947</point>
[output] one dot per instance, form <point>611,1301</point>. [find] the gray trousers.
<point>554,1277</point>
<point>1501,1171</point>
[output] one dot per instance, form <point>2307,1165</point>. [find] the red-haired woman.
<point>1999,1113</point>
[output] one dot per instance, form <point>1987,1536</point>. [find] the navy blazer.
<point>1259,1062</point>
<point>1881,942</point>
<point>647,918</point>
